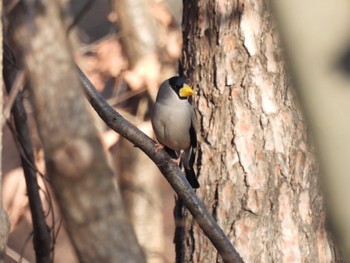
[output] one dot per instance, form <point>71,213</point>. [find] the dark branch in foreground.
<point>169,169</point>
<point>42,239</point>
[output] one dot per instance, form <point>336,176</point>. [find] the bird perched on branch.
<point>174,123</point>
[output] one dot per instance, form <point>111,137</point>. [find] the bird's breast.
<point>171,125</point>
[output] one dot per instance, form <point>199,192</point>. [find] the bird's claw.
<point>178,160</point>
<point>159,146</point>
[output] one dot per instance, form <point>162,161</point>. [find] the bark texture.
<point>258,174</point>
<point>320,63</point>
<point>76,163</point>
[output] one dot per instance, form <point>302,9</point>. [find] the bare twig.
<point>25,157</point>
<point>15,256</point>
<point>168,168</point>
<point>117,100</point>
<point>15,89</point>
<point>40,230</point>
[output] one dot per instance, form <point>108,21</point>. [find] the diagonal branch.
<point>169,169</point>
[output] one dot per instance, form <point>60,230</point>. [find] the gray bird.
<point>174,123</point>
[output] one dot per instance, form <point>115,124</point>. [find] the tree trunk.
<point>138,34</point>
<point>319,57</point>
<point>257,171</point>
<point>138,178</point>
<point>76,164</point>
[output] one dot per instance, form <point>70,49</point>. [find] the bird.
<point>174,123</point>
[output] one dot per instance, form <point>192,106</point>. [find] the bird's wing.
<point>193,137</point>
<point>189,155</point>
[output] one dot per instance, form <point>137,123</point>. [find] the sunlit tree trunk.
<point>138,178</point>
<point>76,164</point>
<point>257,170</point>
<point>137,175</point>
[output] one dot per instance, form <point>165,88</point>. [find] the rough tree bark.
<point>75,161</point>
<point>257,171</point>
<point>319,55</point>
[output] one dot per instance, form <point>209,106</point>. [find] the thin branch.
<point>117,100</point>
<point>25,157</point>
<point>41,233</point>
<point>169,169</point>
<point>15,256</point>
<point>15,89</point>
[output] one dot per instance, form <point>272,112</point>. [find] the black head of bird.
<point>182,89</point>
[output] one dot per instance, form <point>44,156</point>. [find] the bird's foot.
<point>178,160</point>
<point>159,146</point>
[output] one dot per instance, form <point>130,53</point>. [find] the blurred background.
<point>126,65</point>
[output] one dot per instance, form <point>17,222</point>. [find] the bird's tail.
<point>191,177</point>
<point>188,161</point>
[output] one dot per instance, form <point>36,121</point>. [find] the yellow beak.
<point>186,91</point>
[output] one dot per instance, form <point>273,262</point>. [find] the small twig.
<point>15,89</point>
<point>25,158</point>
<point>15,256</point>
<point>23,153</point>
<point>169,169</point>
<point>126,96</point>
